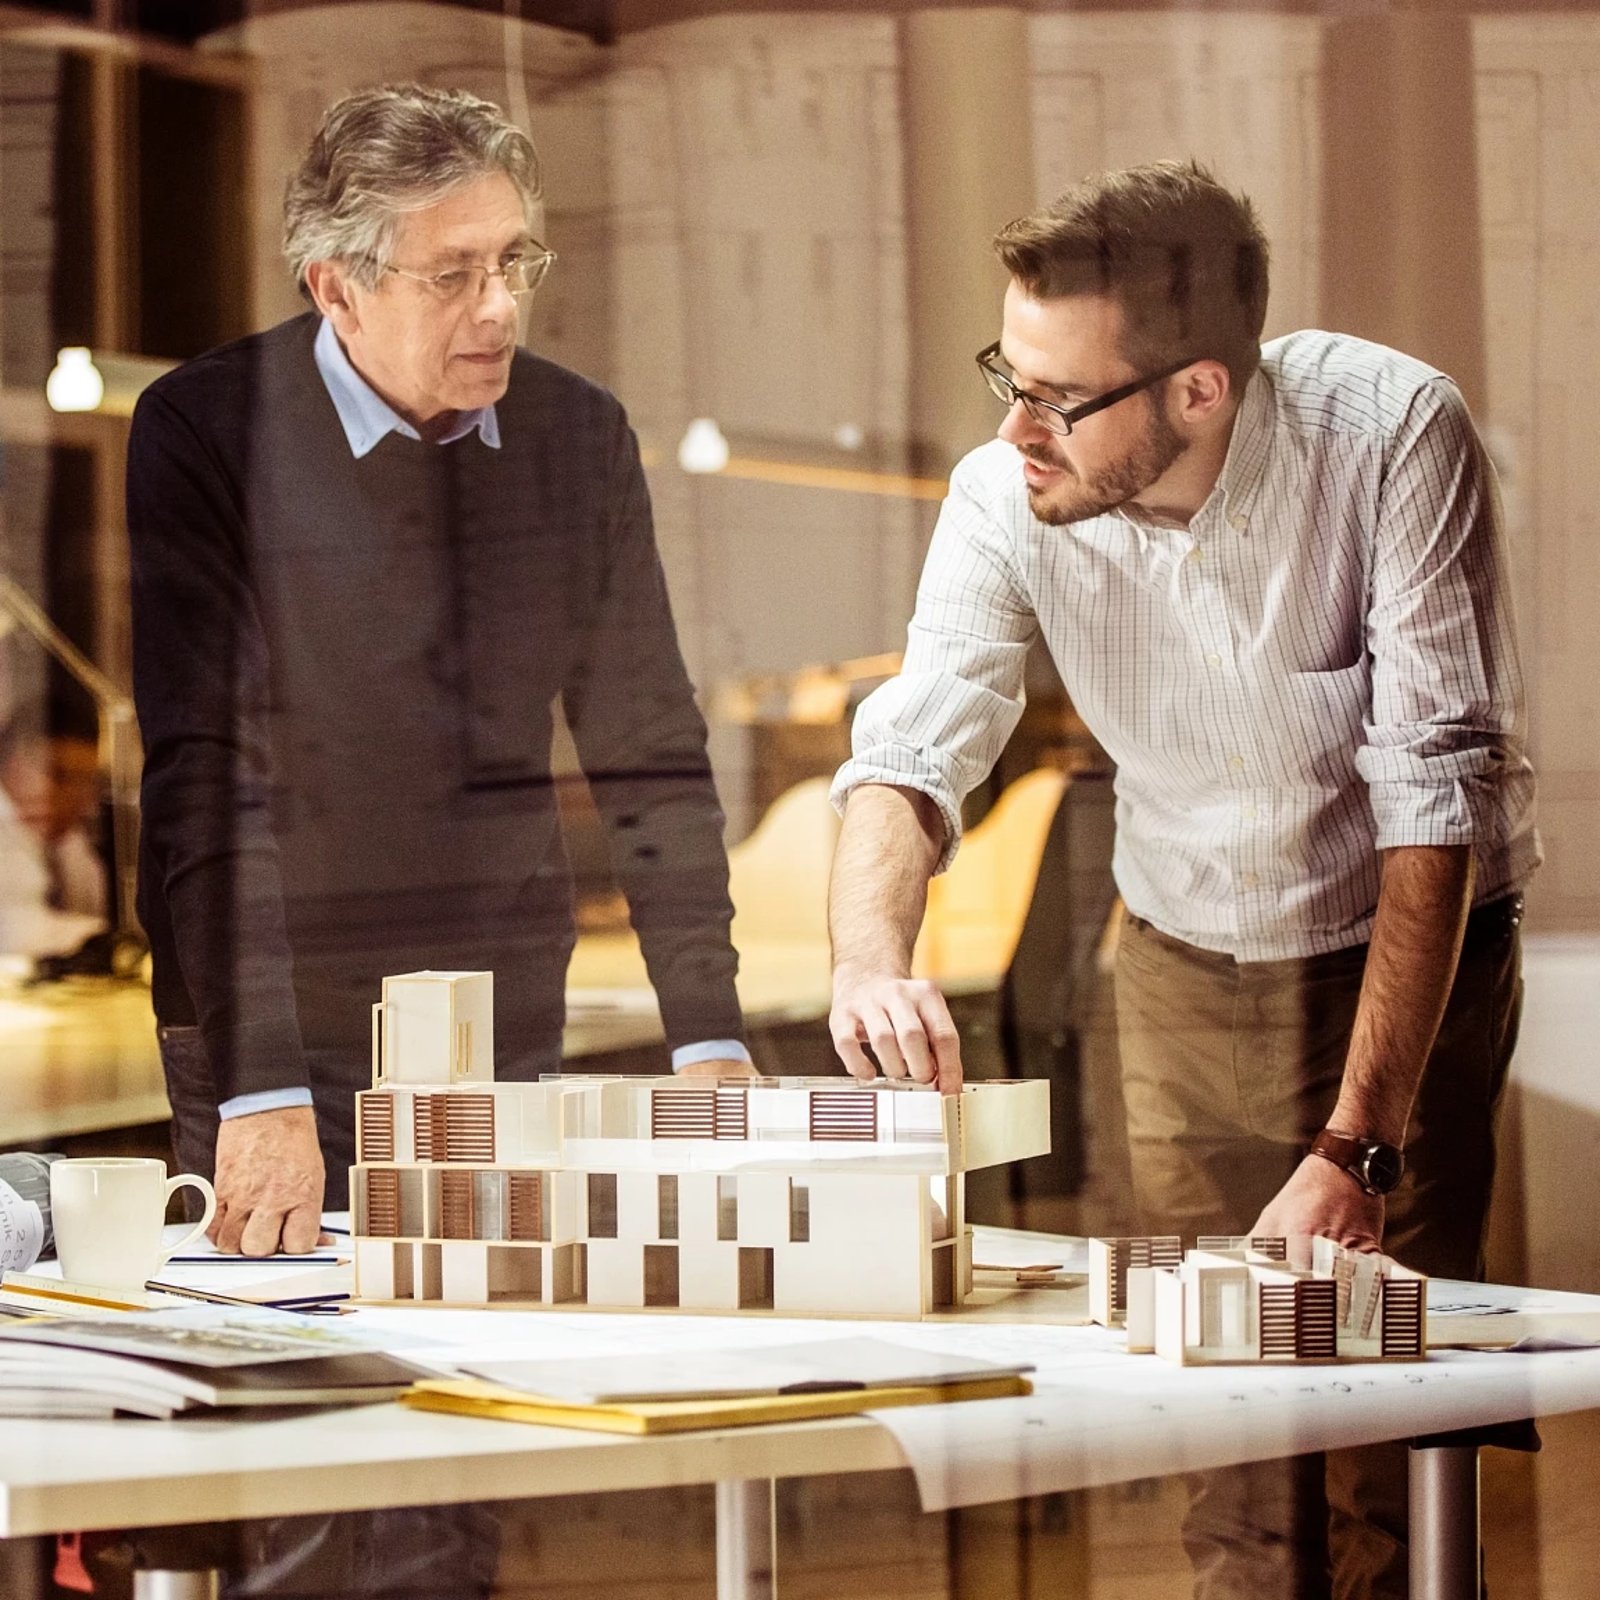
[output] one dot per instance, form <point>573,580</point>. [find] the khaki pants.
<point>1229,1070</point>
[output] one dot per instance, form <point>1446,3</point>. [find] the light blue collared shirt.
<point>367,418</point>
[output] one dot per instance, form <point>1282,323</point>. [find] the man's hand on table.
<point>1320,1198</point>
<point>733,1067</point>
<point>269,1183</point>
<point>905,1020</point>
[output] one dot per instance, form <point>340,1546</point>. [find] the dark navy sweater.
<point>345,673</point>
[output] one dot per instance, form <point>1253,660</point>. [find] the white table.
<point>61,1475</point>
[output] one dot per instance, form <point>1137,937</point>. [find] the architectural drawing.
<point>790,1194</point>
<point>1241,1300</point>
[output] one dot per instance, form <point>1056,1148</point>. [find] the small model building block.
<point>793,1194</point>
<point>1109,1264</point>
<point>1239,1300</point>
<point>435,1027</point>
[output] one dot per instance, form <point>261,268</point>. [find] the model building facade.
<point>1241,1300</point>
<point>794,1195</point>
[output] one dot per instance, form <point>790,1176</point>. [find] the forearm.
<point>887,850</point>
<point>1411,963</point>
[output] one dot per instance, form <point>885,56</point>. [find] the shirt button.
<point>1194,555</point>
<point>1239,522</point>
<point>1236,762</point>
<point>1213,660</point>
<point>1250,880</point>
<point>1248,812</point>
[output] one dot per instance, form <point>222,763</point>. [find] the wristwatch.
<point>1376,1166</point>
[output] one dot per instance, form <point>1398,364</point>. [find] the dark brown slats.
<point>1402,1317</point>
<point>427,1127</point>
<point>844,1114</point>
<point>683,1113</point>
<point>1279,1321</point>
<point>469,1127</point>
<point>458,1209</point>
<point>732,1117</point>
<point>383,1205</point>
<point>1164,1250</point>
<point>527,1206</point>
<point>375,1139</point>
<point>1317,1337</point>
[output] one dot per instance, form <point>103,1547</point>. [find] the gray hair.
<point>381,153</point>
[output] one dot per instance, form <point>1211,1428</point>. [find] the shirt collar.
<point>368,418</point>
<point>1246,462</point>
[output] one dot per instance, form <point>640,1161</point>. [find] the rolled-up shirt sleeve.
<point>941,724</point>
<point>1447,725</point>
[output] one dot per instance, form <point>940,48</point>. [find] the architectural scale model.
<point>790,1194</point>
<point>1240,1300</point>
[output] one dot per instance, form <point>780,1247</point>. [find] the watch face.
<point>1381,1166</point>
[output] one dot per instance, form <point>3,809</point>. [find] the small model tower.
<point>797,1195</point>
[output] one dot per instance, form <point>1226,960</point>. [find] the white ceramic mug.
<point>108,1213</point>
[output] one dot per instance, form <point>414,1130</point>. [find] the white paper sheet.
<point>1144,1418</point>
<point>21,1231</point>
<point>1098,1415</point>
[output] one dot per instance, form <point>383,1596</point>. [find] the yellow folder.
<point>470,1397</point>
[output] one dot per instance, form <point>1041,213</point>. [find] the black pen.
<point>251,1261</point>
<point>311,1306</point>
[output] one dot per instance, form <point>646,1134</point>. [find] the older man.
<point>1274,582</point>
<point>371,548</point>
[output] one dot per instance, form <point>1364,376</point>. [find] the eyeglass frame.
<point>1011,393</point>
<point>543,257</point>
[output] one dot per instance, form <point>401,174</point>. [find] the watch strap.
<point>1359,1156</point>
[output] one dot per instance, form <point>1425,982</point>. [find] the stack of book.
<point>161,1363</point>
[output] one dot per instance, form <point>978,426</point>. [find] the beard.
<point>1077,498</point>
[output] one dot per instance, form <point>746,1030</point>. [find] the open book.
<point>156,1364</point>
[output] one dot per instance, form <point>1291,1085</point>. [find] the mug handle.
<point>193,1181</point>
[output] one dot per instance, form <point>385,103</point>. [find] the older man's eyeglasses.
<point>1061,419</point>
<point>523,273</point>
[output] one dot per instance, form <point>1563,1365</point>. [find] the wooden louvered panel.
<point>1163,1250</point>
<point>844,1114</point>
<point>469,1127</point>
<point>458,1209</point>
<point>1279,1321</point>
<point>427,1127</point>
<point>1318,1337</point>
<point>527,1206</point>
<point>683,1113</point>
<point>383,1205</point>
<point>376,1139</point>
<point>1402,1317</point>
<point>732,1114</point>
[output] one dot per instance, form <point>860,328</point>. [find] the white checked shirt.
<point>1322,665</point>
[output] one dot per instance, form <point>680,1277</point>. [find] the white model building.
<point>789,1194</point>
<point>1240,1300</point>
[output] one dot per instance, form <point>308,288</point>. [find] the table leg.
<point>175,1586</point>
<point>1446,1552</point>
<point>1444,1522</point>
<point>746,1543</point>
